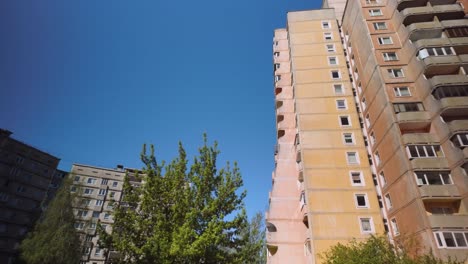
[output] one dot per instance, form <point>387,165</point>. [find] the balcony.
<point>429,163</point>
<point>442,65</point>
<point>403,4</point>
<point>454,107</point>
<point>448,221</point>
<point>425,30</point>
<point>415,138</point>
<point>457,125</point>
<point>443,80</point>
<point>432,191</point>
<point>413,120</point>
<point>427,13</point>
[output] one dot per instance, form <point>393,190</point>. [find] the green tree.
<point>181,213</point>
<point>254,250</point>
<point>376,250</point>
<point>54,238</point>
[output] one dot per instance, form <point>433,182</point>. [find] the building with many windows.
<point>28,179</point>
<point>97,190</point>
<point>372,109</point>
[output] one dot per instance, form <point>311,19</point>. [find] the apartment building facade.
<point>406,60</point>
<point>323,191</point>
<point>97,191</point>
<point>28,179</point>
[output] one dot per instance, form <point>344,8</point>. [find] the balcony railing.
<point>453,107</point>
<point>429,163</point>
<point>448,221</point>
<point>413,120</point>
<point>447,190</point>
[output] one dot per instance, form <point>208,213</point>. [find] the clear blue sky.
<point>90,81</point>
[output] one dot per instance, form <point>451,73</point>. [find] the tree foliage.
<point>54,239</point>
<point>376,250</point>
<point>254,251</point>
<point>181,213</point>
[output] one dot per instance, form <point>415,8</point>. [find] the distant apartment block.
<point>371,109</point>
<point>98,190</point>
<point>28,179</point>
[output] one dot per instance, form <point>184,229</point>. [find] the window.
<point>436,51</point>
<point>402,91</point>
<point>92,225</point>
<point>106,216</point>
<point>388,201</point>
<point>379,25</point>
<point>367,226</point>
<point>88,238</point>
<point>79,225</point>
<point>364,103</point>
<point>461,140</point>
<point>96,214</point>
<point>368,123</point>
<point>73,189</point>
<point>372,138</point>
<point>377,158</point>
<point>383,181</point>
<point>356,178</point>
<point>424,151</point>
<point>276,66</point>
<point>335,74</point>
<point>277,78</point>
<point>111,194</point>
<point>433,177</point>
<point>77,178</point>
<point>344,121</point>
<point>98,252</point>
<point>452,239</point>
<point>352,157</point>
<point>332,61</point>
<point>390,56</point>
<point>326,24</point>
<point>104,181</point>
<point>372,2</point>
<point>375,12</point>
<point>21,189</point>
<point>99,202</point>
<point>276,54</point>
<point>385,40</point>
<point>91,181</point>
<point>338,88</point>
<point>102,192</point>
<point>82,213</point>
<point>395,73</point>
<point>110,205</point>
<point>361,200</point>
<point>86,202</point>
<point>330,47</point>
<point>341,104</point>
<point>86,250</point>
<point>302,199</point>
<point>348,138</point>
<point>114,184</point>
<point>450,91</point>
<point>328,36</point>
<point>395,229</point>
<point>408,107</point>
<point>88,191</point>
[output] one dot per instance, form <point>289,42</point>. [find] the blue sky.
<point>91,81</point>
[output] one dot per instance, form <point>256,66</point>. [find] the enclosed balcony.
<point>454,107</point>
<point>448,221</point>
<point>444,80</point>
<point>429,163</point>
<point>443,65</point>
<point>415,138</point>
<point>437,191</point>
<point>457,126</point>
<point>413,120</point>
<point>427,13</point>
<point>402,4</point>
<point>432,30</point>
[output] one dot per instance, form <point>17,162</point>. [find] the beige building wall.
<point>332,198</point>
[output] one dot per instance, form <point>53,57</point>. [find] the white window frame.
<point>377,158</point>
<point>277,78</point>
<point>347,117</point>
<point>326,24</point>
<point>380,25</point>
<point>371,224</point>
<point>276,54</point>
<point>461,139</point>
<point>277,66</point>
<point>349,135</point>
<point>104,181</point>
<point>425,181</point>
<point>383,180</point>
<point>331,58</point>
<point>395,229</point>
<point>375,12</point>
<point>328,36</point>
<point>385,40</point>
<point>344,106</point>
<point>425,153</point>
<point>341,88</point>
<point>390,56</point>
<point>99,202</point>
<point>348,155</point>
<point>441,242</point>
<point>372,138</point>
<point>398,91</point>
<point>388,201</point>
<point>91,180</point>
<point>363,103</point>
<point>102,192</point>
<point>330,47</point>
<point>396,73</point>
<point>366,200</point>
<point>367,118</point>
<point>88,191</point>
<point>361,178</point>
<point>335,71</point>
<point>115,184</point>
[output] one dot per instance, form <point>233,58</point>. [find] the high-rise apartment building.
<point>28,178</point>
<point>403,64</point>
<point>97,189</point>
